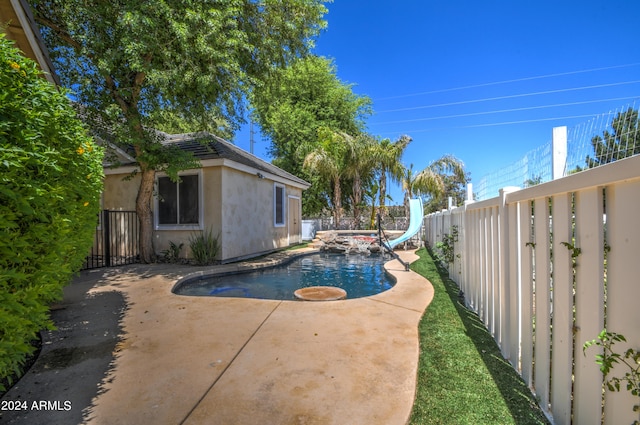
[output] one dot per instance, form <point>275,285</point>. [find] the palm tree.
<point>371,194</point>
<point>327,159</point>
<point>359,168</point>
<point>388,156</point>
<point>408,182</point>
<point>431,180</point>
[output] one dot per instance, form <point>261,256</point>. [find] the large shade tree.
<point>293,105</point>
<point>140,65</point>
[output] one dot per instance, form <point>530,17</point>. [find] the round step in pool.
<point>320,293</point>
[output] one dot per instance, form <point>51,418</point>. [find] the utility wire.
<point>492,124</point>
<point>488,99</point>
<point>525,121</point>
<point>500,111</point>
<point>495,83</point>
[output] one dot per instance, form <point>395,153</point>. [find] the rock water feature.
<point>332,241</point>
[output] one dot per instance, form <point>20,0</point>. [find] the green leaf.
<point>45,156</point>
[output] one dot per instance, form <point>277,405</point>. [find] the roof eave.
<point>23,30</point>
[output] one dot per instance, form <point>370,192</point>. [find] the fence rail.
<point>547,268</point>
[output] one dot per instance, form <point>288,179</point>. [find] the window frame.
<point>276,187</point>
<point>177,226</point>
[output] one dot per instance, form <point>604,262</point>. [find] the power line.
<point>510,81</point>
<point>526,121</point>
<point>488,99</point>
<point>504,110</point>
<point>494,124</point>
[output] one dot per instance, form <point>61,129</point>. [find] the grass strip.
<point>462,376</point>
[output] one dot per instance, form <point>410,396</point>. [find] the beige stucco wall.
<point>244,220</point>
<point>248,215</point>
<point>120,194</point>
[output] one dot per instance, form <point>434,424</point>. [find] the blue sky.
<point>483,81</point>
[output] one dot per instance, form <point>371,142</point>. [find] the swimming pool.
<point>359,275</point>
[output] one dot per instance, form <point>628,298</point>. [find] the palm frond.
<point>429,181</point>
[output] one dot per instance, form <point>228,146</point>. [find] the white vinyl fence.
<point>547,268</point>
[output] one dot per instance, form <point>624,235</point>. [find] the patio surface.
<point>148,356</point>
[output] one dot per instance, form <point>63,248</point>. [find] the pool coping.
<point>247,266</point>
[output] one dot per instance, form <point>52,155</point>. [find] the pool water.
<point>359,275</point>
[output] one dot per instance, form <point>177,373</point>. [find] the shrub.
<point>172,255</point>
<point>50,184</point>
<point>445,249</point>
<point>204,247</point>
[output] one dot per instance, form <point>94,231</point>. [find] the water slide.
<point>415,223</point>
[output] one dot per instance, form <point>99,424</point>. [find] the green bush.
<point>204,247</point>
<point>172,255</point>
<point>50,184</point>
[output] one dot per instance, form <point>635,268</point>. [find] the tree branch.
<point>60,31</point>
<point>111,86</point>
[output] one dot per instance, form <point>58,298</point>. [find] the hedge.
<point>50,184</point>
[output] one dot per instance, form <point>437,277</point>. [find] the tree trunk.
<point>145,216</point>
<point>407,196</point>
<point>337,203</point>
<point>356,200</point>
<point>372,218</point>
<point>356,217</point>
<point>382,209</point>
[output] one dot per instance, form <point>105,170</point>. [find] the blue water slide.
<point>415,223</point>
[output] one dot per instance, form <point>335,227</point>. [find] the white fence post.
<point>559,152</point>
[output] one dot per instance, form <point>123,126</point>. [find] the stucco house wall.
<point>249,205</point>
<point>120,194</point>
<point>236,202</point>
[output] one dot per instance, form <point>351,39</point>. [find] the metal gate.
<point>116,240</point>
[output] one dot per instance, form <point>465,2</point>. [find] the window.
<point>179,203</point>
<point>278,205</point>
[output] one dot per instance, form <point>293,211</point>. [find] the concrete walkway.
<point>208,360</point>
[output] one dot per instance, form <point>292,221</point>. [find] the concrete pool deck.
<point>208,360</point>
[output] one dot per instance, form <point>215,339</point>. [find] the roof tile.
<point>208,146</point>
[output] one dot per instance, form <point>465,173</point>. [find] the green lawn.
<point>462,377</point>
